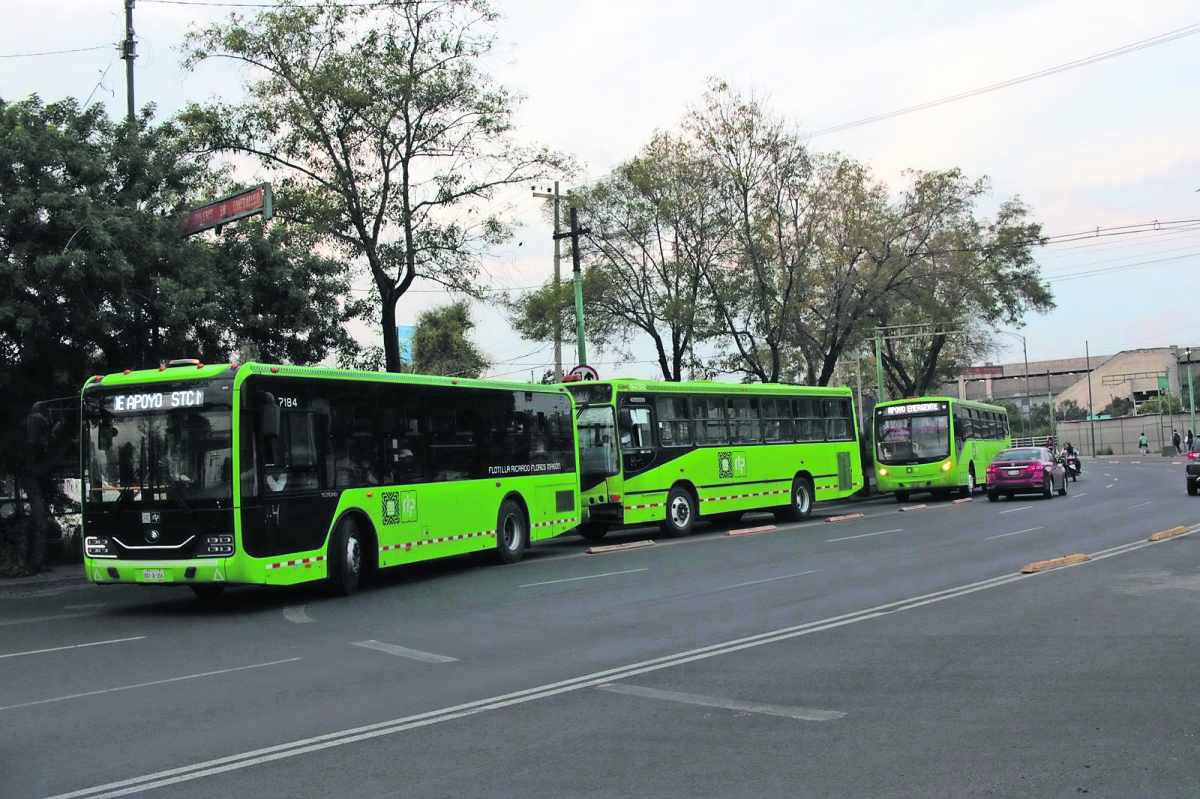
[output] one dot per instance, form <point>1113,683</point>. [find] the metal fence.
<point>1120,436</point>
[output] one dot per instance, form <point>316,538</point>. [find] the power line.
<point>57,52</point>
<point>1082,62</point>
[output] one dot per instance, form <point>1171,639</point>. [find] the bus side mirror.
<point>270,417</point>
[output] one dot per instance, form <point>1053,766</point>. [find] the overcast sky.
<point>1108,146</point>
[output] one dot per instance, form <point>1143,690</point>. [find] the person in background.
<point>1175,441</point>
<point>1188,441</point>
<point>1142,445</point>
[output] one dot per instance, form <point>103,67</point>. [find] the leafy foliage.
<point>441,346</point>
<point>381,127</point>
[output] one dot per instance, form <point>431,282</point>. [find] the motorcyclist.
<point>1070,458</point>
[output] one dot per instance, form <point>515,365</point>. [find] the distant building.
<point>1138,375</point>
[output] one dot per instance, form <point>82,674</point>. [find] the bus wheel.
<point>512,533</point>
<point>681,514</point>
<point>593,531</point>
<point>800,508</point>
<point>345,558</point>
<point>208,590</point>
<point>969,489</point>
<point>901,496</point>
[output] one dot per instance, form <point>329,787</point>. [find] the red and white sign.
<point>256,200</point>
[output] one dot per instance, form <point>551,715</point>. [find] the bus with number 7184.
<point>216,475</point>
<point>936,444</point>
<point>671,453</point>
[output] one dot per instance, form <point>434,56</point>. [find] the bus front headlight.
<point>947,466</point>
<point>883,472</point>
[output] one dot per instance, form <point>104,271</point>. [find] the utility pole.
<point>575,232</point>
<point>1091,413</point>
<point>129,52</point>
<point>558,370</point>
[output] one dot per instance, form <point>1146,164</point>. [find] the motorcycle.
<point>1074,467</point>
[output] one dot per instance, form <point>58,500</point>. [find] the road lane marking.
<point>864,535</point>
<point>146,684</point>
<point>296,615</point>
<point>787,711</point>
<point>1141,505</point>
<point>84,607</point>
<point>72,646</point>
<point>405,652</point>
<point>1017,532</point>
<point>1014,510</point>
<point>36,619</point>
<point>759,582</point>
<point>585,577</point>
<point>1077,496</point>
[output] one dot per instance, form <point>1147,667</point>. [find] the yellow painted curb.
<point>1054,563</point>
<point>913,507</point>
<point>749,530</point>
<point>1174,531</point>
<point>618,547</point>
<point>846,517</point>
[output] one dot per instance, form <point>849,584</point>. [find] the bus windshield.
<point>177,457</point>
<point>912,439</point>
<point>597,442</point>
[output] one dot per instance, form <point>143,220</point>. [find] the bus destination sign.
<point>914,407</point>
<point>155,401</point>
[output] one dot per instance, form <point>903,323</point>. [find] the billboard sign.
<point>254,200</point>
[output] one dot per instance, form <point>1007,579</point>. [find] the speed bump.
<point>1174,531</point>
<point>750,530</point>
<point>1055,563</point>
<point>618,547</point>
<point>913,507</point>
<point>846,517</point>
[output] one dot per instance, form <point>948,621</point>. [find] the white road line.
<point>72,646</point>
<point>405,652</point>
<point>147,684</point>
<point>1110,485</point>
<point>787,711</point>
<point>1017,532</point>
<point>585,577</point>
<point>296,615</point>
<point>864,535</point>
<point>84,607</point>
<point>1014,510</point>
<point>759,582</point>
<point>1141,504</point>
<point>1077,496</point>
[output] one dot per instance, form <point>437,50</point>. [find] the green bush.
<point>1104,451</point>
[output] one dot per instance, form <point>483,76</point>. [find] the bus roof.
<point>982,406</point>
<point>630,384</point>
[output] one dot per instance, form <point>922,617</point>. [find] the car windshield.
<point>178,457</point>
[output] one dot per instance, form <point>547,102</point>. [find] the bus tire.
<point>207,590</point>
<point>512,532</point>
<point>801,504</point>
<point>901,496</point>
<point>345,558</point>
<point>593,531</point>
<point>681,513</point>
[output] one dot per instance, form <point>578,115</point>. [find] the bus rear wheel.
<point>346,558</point>
<point>800,507</point>
<point>681,513</point>
<point>512,532</point>
<point>593,531</point>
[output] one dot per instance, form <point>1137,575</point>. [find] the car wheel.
<point>1191,486</point>
<point>1048,487</point>
<point>512,533</point>
<point>681,513</point>
<point>1062,492</point>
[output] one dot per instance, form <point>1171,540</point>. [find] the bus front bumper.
<point>105,571</point>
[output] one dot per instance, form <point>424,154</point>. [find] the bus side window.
<point>674,428</point>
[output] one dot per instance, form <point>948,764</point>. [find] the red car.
<point>1025,470</point>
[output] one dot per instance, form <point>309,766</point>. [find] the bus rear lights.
<point>128,371</point>
<point>219,545</point>
<point>274,370</point>
<point>614,498</point>
<point>98,547</point>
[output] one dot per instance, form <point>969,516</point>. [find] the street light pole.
<point>1025,354</point>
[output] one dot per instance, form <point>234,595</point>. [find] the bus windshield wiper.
<point>173,484</point>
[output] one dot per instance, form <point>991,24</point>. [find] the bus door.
<point>636,422</point>
<point>599,463</point>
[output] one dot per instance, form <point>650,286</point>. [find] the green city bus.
<point>936,444</point>
<point>230,474</point>
<point>669,453</point>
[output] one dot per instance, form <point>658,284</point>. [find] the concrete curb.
<point>1055,563</point>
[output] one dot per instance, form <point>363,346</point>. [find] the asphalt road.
<point>903,653</point>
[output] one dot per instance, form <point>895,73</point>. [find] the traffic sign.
<point>584,372</point>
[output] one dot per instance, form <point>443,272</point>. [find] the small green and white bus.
<point>209,476</point>
<point>936,444</point>
<point>669,453</point>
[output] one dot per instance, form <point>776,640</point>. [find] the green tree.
<point>1120,406</point>
<point>1168,403</point>
<point>1069,410</point>
<point>382,129</point>
<point>441,346</point>
<point>97,278</point>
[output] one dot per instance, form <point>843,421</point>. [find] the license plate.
<point>153,576</point>
<point>1013,472</point>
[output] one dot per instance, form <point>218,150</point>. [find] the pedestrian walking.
<point>1142,445</point>
<point>1187,440</point>
<point>1175,440</point>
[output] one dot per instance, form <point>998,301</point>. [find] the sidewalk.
<point>56,576</point>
